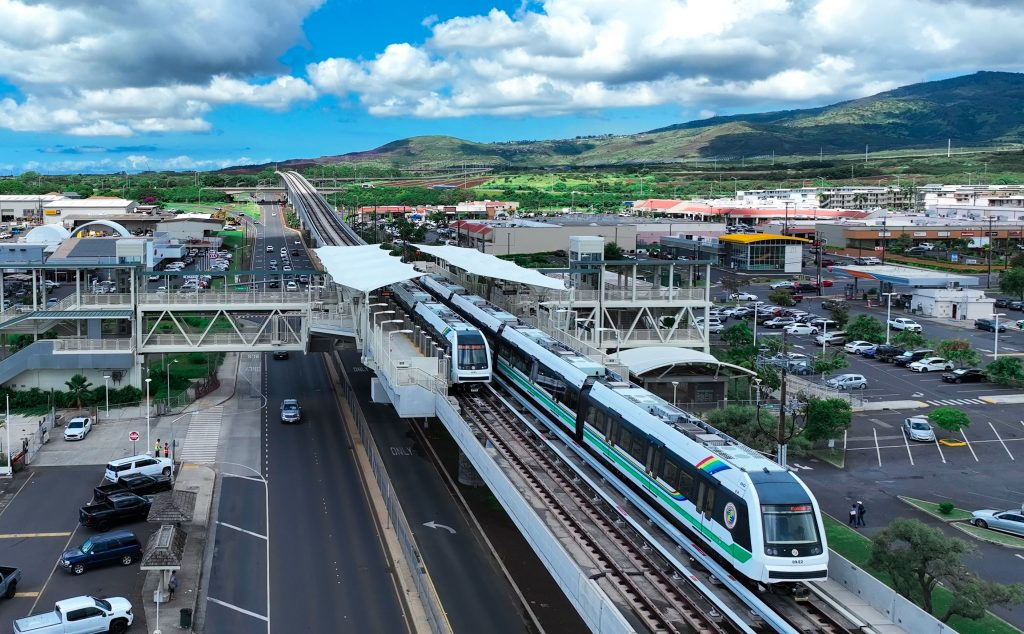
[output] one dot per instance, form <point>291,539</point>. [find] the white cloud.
<point>107,68</point>
<point>571,56</point>
<point>132,163</point>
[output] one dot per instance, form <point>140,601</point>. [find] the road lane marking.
<point>906,441</point>
<point>25,595</point>
<point>241,530</point>
<point>935,439</point>
<point>969,445</point>
<point>56,565</point>
<point>237,609</point>
<point>1001,440</point>
<point>30,535</point>
<point>877,448</point>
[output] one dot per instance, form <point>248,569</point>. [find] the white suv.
<point>903,323</point>
<point>146,465</point>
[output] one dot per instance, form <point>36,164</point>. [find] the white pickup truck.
<point>87,615</point>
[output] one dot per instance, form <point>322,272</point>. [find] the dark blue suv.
<point>115,547</point>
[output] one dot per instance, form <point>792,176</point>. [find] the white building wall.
<point>55,379</point>
<point>959,303</point>
<point>794,258</point>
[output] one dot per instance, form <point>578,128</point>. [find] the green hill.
<point>974,110</point>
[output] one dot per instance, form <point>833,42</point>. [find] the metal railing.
<point>799,387</point>
<point>213,298</point>
<point>74,344</point>
<point>638,295</point>
<point>265,339</point>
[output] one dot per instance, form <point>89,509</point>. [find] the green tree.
<point>826,418</point>
<point>949,418</point>
<point>612,251</point>
<point>739,347</point>
<point>917,557</point>
<point>839,313</point>
<point>973,596</point>
<point>781,297</point>
<point>731,283</point>
<point>771,380</point>
<point>828,362</point>
<point>865,328</point>
<point>1006,371</point>
<point>1012,282</point>
<point>78,386</point>
<point>959,351</point>
<point>901,244</point>
<point>908,339</point>
<point>1017,261</point>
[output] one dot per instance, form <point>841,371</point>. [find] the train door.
<point>705,502</point>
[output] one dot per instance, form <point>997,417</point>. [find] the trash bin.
<point>185,617</point>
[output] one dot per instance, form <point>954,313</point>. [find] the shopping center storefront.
<point>762,252</point>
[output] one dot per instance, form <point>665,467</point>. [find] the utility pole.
<point>785,226</point>
<point>781,454</point>
<point>988,280</point>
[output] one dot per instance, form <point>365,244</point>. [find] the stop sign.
<point>133,436</point>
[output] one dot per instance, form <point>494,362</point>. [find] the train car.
<point>468,350</point>
<point>756,516</point>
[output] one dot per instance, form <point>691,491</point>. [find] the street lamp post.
<point>380,332</point>
<point>167,371</point>
<point>148,443</point>
<point>995,335</point>
<point>106,384</point>
<point>675,385</point>
<point>888,314</point>
<point>392,334</point>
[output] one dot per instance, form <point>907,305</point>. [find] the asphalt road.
<point>38,521</point>
<point>466,577</point>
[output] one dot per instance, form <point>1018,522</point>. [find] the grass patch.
<point>857,549</point>
<point>988,535</point>
<point>932,508</point>
<point>249,209</point>
<point>835,457</point>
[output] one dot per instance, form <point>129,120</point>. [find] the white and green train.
<point>755,515</point>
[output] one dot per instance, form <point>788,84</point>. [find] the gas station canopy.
<point>904,276</point>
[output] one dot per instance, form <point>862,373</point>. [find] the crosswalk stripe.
<point>203,437</point>
<point>958,401</point>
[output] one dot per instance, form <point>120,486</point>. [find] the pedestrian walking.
<point>853,515</point>
<point>167,450</point>
<point>172,585</point>
<point>860,513</point>
<point>156,448</point>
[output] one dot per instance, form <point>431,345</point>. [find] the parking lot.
<point>38,522</point>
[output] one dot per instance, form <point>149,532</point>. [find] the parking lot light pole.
<point>675,385</point>
<point>995,335</point>
<point>888,314</point>
<point>148,443</point>
<point>106,384</point>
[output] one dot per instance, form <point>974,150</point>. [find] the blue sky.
<point>203,88</point>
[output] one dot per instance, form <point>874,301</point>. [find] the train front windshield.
<point>472,353</point>
<point>790,529</point>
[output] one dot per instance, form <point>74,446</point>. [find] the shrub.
<point>946,508</point>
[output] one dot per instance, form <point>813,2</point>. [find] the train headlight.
<point>816,550</point>
<point>771,551</point>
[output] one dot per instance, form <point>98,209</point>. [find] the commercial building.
<point>876,234</point>
<point>18,207</point>
<point>62,209</point>
<point>854,197</point>
<point>743,251</point>
<point>506,237</point>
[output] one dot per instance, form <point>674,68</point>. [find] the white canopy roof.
<point>643,360</point>
<point>489,266</point>
<point>364,267</point>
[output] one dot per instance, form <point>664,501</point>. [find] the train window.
<point>598,420</point>
<point>789,524</point>
<point>684,482</point>
<point>551,382</point>
<point>520,361</point>
<point>472,353</point>
<point>634,444</point>
<point>706,499</point>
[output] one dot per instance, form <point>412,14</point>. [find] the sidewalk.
<point>201,480</point>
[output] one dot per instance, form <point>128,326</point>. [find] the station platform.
<point>409,371</point>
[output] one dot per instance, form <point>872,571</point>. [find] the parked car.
<point>829,304</point>
<point>78,428</point>
<point>886,352</point>
<point>137,483</point>
<point>848,382</point>
<point>918,428</point>
<point>800,329</point>
<point>9,578</point>
<point>823,323</point>
<point>1008,521</point>
<point>782,284</point>
<point>870,261</point>
<point>742,296</point>
<point>989,325</point>
<point>1015,305</point>
<point>930,364</point>
<point>119,508</point>
<point>147,465</point>
<point>85,614</point>
<point>116,547</point>
<point>291,411</point>
<point>828,262</point>
<point>1020,324</point>
<point>904,323</point>
<point>826,283</point>
<point>965,375</point>
<point>778,322</point>
<point>831,338</point>
<point>854,347</point>
<point>910,356</point>
<point>1002,302</point>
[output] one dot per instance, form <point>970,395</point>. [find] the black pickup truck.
<point>137,483</point>
<point>118,508</point>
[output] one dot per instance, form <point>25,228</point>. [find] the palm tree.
<point>78,385</point>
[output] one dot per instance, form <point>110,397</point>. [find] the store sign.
<point>884,234</point>
<point>943,234</point>
<point>1014,233</point>
<point>966,234</point>
<point>920,234</point>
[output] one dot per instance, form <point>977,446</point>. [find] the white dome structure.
<point>46,234</point>
<point>109,224</point>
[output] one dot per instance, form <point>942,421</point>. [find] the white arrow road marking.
<point>800,466</point>
<point>433,524</point>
